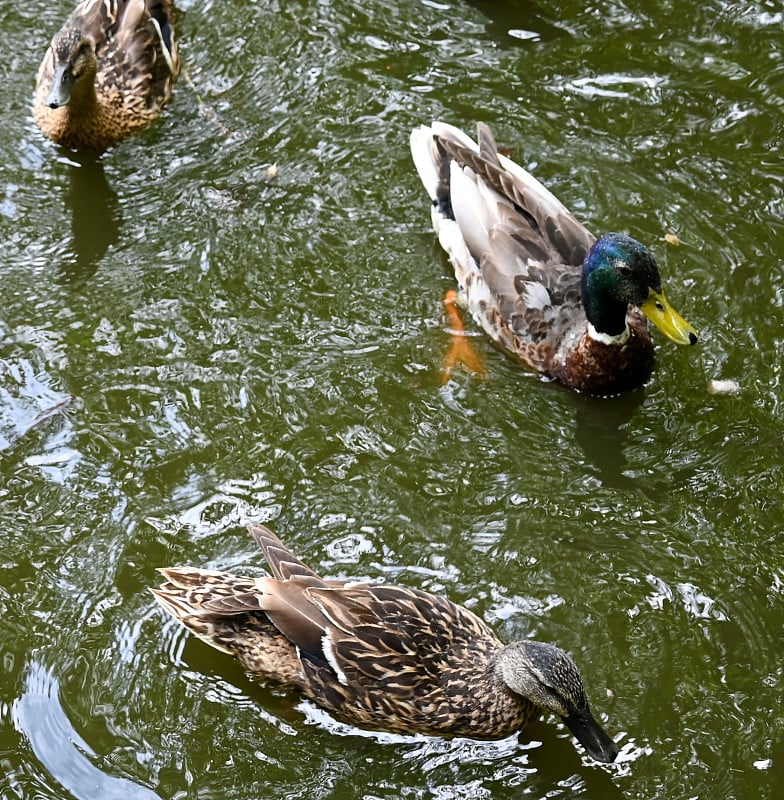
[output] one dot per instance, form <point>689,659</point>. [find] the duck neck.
<point>608,339</point>
<point>83,98</point>
<point>605,313</point>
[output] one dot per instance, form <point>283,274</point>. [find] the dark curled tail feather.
<point>443,199</point>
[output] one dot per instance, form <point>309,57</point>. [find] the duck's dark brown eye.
<point>624,269</point>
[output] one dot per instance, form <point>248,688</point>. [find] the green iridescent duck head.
<point>620,271</point>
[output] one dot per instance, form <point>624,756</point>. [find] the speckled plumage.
<point>519,256</point>
<point>378,656</point>
<point>107,73</point>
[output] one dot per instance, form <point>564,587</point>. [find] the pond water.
<point>189,342</point>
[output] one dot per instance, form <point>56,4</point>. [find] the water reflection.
<point>27,397</point>
<point>550,772</point>
<point>512,22</point>
<point>95,214</point>
<point>602,430</point>
<point>40,718</point>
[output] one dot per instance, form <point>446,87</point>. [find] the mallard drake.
<point>378,656</point>
<point>543,288</point>
<point>107,72</point>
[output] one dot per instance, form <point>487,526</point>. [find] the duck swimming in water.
<point>379,656</point>
<point>107,73</point>
<point>541,285</point>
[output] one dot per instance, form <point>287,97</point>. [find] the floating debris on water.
<point>723,387</point>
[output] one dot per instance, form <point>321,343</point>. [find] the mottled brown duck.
<point>541,285</point>
<point>377,656</point>
<point>107,73</point>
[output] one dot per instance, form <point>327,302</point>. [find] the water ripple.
<point>39,716</point>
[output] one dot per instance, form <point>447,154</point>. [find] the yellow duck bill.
<point>668,320</point>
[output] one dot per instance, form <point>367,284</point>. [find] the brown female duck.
<point>378,656</point>
<point>107,73</point>
<point>543,287</point>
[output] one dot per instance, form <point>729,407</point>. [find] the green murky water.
<point>186,345</point>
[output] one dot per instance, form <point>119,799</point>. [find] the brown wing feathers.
<point>283,563</point>
<point>372,631</point>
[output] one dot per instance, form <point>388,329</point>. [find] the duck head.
<point>547,676</point>
<point>620,271</point>
<point>74,66</point>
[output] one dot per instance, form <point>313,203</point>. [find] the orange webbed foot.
<point>460,351</point>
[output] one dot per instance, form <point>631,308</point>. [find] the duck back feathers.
<point>515,248</point>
